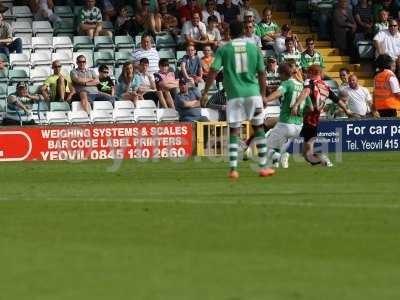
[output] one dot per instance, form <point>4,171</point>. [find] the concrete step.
<point>336,59</point>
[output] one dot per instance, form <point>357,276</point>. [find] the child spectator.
<point>210,10</point>
<point>213,34</point>
<point>363,17</point>
<point>166,82</point>
<point>344,75</point>
<point>191,69</point>
<point>206,61</point>
<point>106,85</point>
<point>272,75</point>
<point>128,84</point>
<point>290,53</point>
<point>383,21</point>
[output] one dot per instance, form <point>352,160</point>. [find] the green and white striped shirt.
<point>90,15</point>
<point>263,28</point>
<point>284,56</point>
<point>307,60</point>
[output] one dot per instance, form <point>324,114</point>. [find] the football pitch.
<point>182,231</point>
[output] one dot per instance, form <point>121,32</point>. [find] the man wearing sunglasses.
<point>57,87</point>
<point>85,82</point>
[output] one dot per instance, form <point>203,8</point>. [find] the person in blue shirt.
<point>187,103</point>
<point>128,84</point>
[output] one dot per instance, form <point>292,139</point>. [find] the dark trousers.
<point>15,46</point>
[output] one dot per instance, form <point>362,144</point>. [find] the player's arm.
<point>212,74</point>
<point>262,81</point>
<point>300,99</point>
<point>274,96</point>
<point>340,103</point>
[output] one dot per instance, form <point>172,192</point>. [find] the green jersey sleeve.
<point>283,88</point>
<point>217,63</point>
<point>260,61</point>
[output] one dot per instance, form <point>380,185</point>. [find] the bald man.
<point>359,99</point>
<point>57,87</point>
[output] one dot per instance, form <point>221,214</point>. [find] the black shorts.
<point>308,132</point>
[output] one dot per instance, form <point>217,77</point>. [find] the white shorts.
<point>281,134</point>
<point>243,109</point>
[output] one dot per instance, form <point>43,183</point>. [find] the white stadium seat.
<point>145,104</point>
<point>211,114</point>
<point>143,115</point>
<point>42,28</point>
<point>167,115</point>
<point>57,118</point>
<point>123,112</point>
<point>40,59</point>
<point>77,115</point>
<point>102,112</point>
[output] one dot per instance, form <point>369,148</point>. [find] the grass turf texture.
<point>171,231</point>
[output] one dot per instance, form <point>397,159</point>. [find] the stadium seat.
<point>60,106</point>
<point>272,111</point>
<point>22,13</point>
<point>88,55</point>
<point>3,107</point>
<point>11,89</point>
<point>64,12</point>
<point>65,58</point>
<point>103,42</point>
<point>4,75</point>
<point>124,42</point>
<point>122,56</point>
<point>145,115</point>
<point>39,111</point>
<point>42,28</point>
<point>40,59</point>
<point>3,90</point>
<point>123,112</point>
<point>108,25</point>
<point>365,50</point>
<point>24,28</point>
<point>138,41</point>
<point>42,43</point>
<point>167,115</point>
<point>102,112</point>
<point>34,88</point>
<point>77,115</point>
<point>146,104</point>
<point>210,114</point>
<point>57,118</point>
<point>104,57</point>
<point>17,75</point>
<point>167,53</point>
<point>180,54</point>
<point>39,74</point>
<point>82,42</point>
<point>26,43</point>
<point>117,72</point>
<point>165,41</point>
<point>63,44</point>
<point>66,28</point>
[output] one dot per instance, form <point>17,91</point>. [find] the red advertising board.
<point>127,141</point>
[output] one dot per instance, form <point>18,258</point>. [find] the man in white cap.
<point>247,11</point>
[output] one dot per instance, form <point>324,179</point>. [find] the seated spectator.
<point>311,57</point>
<point>229,11</point>
<point>44,11</point>
<point>190,67</point>
<point>344,75</point>
<point>206,61</point>
<point>125,25</point>
<point>187,11</point>
<point>21,99</point>
<point>267,30</point>
<point>364,19</point>
<point>280,41</point>
<point>213,34</point>
<point>383,21</point>
<point>147,51</point>
<point>358,98</point>
<point>388,41</point>
<point>7,44</point>
<point>85,82</point>
<point>290,53</point>
<point>59,85</point>
<point>169,22</point>
<point>188,103</point>
<point>210,10</point>
<point>226,37</point>
<point>128,84</point>
<point>166,82</point>
<point>147,17</point>
<point>106,84</point>
<point>272,75</point>
<point>194,32</point>
<point>250,36</point>
<point>247,10</point>
<point>148,86</point>
<point>90,20</point>
<point>344,28</point>
<point>388,5</point>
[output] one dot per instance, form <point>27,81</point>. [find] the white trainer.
<point>285,160</point>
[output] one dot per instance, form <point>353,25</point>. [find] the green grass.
<point>172,231</point>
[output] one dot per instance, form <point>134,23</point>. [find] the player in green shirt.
<point>241,62</point>
<point>289,126</point>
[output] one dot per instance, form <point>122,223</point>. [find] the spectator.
<point>226,37</point>
<point>213,34</point>
<point>90,20</point>
<point>388,41</point>
<point>166,82</point>
<point>206,61</point>
<point>388,5</point>
<point>147,18</point>
<point>124,24</point>
<point>272,75</point>
<point>344,28</point>
<point>229,12</point>
<point>108,7</point>
<point>344,75</point>
<point>21,99</point>
<point>187,11</point>
<point>247,10</point>
<point>290,53</point>
<point>387,91</point>
<point>194,32</point>
<point>383,21</point>
<point>3,8</point>
<point>2,65</point>
<point>128,84</point>
<point>364,19</point>
<point>267,30</point>
<point>7,44</point>
<point>148,86</point>
<point>106,84</point>
<point>60,86</point>
<point>210,10</point>
<point>249,34</point>
<point>169,21</point>
<point>85,82</point>
<point>280,41</point>
<point>148,52</point>
<point>44,11</point>
<point>191,69</point>
<point>311,57</point>
<point>188,103</point>
<point>359,99</point>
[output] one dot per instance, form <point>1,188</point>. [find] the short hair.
<point>212,18</point>
<point>309,39</point>
<point>344,70</point>
<point>163,62</point>
<point>103,68</point>
<point>285,69</point>
<point>236,29</point>
<point>144,60</point>
<point>314,70</point>
<point>288,40</point>
<point>145,35</point>
<point>384,61</point>
<point>266,9</point>
<point>80,56</point>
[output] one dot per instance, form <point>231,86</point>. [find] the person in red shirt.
<point>319,92</point>
<point>186,11</point>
